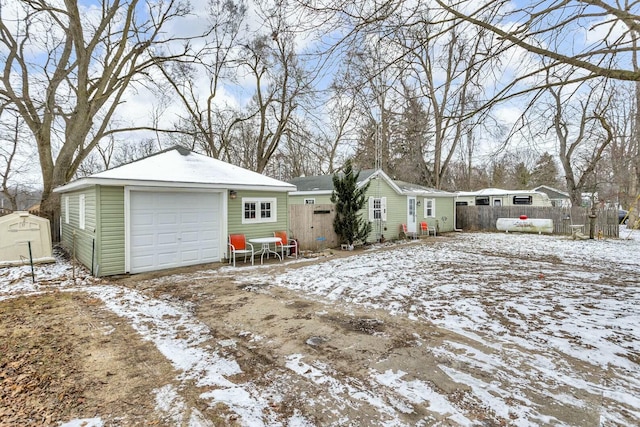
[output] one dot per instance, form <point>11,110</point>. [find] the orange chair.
<point>286,243</point>
<point>424,228</point>
<point>407,234</point>
<point>238,245</point>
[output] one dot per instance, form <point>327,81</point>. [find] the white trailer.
<point>500,197</point>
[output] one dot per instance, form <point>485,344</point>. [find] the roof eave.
<point>311,193</point>
<point>88,182</point>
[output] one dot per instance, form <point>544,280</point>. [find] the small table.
<point>266,246</point>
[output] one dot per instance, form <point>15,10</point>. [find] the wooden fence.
<point>475,218</point>
<point>312,226</point>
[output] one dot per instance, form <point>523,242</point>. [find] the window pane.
<point>249,210</point>
<point>522,200</point>
<point>377,208</point>
<point>265,210</point>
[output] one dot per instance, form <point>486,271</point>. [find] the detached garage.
<point>172,209</point>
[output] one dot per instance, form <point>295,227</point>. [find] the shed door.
<point>173,229</point>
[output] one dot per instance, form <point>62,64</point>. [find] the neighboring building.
<point>500,197</point>
<point>390,203</point>
<point>171,209</point>
<point>558,198</point>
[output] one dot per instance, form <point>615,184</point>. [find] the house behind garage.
<point>390,202</point>
<point>172,209</point>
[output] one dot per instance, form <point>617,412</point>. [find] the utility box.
<point>24,238</point>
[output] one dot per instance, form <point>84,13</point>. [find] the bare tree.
<point>448,64</point>
<point>280,83</point>
<point>14,157</point>
<point>553,29</point>
<point>205,120</point>
<point>69,95</point>
<point>583,132</point>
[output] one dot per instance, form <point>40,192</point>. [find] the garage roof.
<point>179,167</point>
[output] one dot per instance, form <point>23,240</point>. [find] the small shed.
<point>24,238</point>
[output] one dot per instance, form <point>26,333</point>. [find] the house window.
<point>522,200</point>
<point>259,210</point>
<point>482,201</point>
<point>429,208</point>
<point>309,201</point>
<point>81,211</point>
<point>377,208</point>
<point>66,209</point>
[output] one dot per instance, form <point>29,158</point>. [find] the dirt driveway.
<point>220,346</point>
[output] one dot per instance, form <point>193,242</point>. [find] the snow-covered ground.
<point>542,317</point>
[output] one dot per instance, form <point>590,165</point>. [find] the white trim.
<point>127,217</point>
<point>88,182</point>
<point>385,177</point>
<point>382,208</point>
<point>258,201</point>
<point>311,193</point>
<point>127,229</point>
<point>412,221</point>
<point>426,208</point>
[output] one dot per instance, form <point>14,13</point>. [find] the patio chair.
<point>407,234</point>
<point>286,243</point>
<point>238,245</point>
<point>424,228</point>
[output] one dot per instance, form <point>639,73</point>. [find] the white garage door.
<point>173,229</point>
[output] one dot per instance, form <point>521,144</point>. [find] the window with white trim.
<point>66,209</point>
<point>81,211</point>
<point>429,208</point>
<point>377,208</point>
<point>257,210</point>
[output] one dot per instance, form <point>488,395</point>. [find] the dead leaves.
<point>39,385</point>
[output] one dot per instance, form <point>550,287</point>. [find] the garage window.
<point>259,210</point>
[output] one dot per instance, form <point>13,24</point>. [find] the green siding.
<point>445,217</point>
<point>79,242</point>
<point>397,210</point>
<point>266,229</point>
<point>110,233</point>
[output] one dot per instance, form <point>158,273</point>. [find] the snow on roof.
<point>494,192</point>
<point>415,189</point>
<point>178,166</point>
<point>324,184</point>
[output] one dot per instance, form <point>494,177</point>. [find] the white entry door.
<point>412,215</point>
<point>172,229</point>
